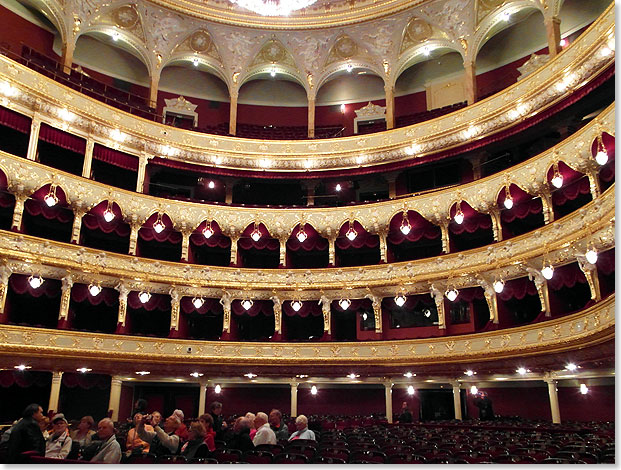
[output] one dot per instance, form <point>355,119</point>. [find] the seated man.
<point>58,444</point>
<point>167,441</point>
<point>240,439</point>
<point>26,434</point>
<point>264,434</point>
<point>110,450</point>
<point>301,423</point>
<point>280,429</point>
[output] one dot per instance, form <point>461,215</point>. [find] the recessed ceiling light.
<point>196,374</point>
<point>84,370</point>
<point>22,367</point>
<point>250,375</point>
<point>143,372</point>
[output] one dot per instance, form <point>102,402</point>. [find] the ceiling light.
<point>84,370</point>
<point>211,185</point>
<point>313,390</point>
<point>427,312</point>
<point>508,199</point>
<point>353,376</point>
<point>108,214</point>
<point>459,216</point>
<point>563,42</point>
<point>451,294</point>
<point>474,390</point>
<point>410,390</point>
<point>365,316</point>
<point>35,281</point>
<point>50,198</point>
<point>296,305</point>
<point>66,115</point>
<point>302,376</point>
<point>426,50</point>
<point>344,303</point>
<point>115,36</point>
<point>522,370</point>
<point>343,108</point>
<point>195,61</point>
<point>505,16</point>
<point>94,289</point>
<point>400,300</point>
<point>217,389</point>
<point>409,375</point>
<point>196,374</point>
<point>499,285</point>
<point>159,224</point>
<point>143,372</point>
<point>144,297</point>
<point>117,135</point>
<point>351,233</point>
<point>591,255</point>
<point>301,235</point>
<point>246,304</point>
<point>22,367</point>
<point>250,375</point>
<point>584,389</point>
<point>349,68</point>
<point>547,271</point>
<point>273,8</point>
<point>338,187</point>
<point>256,233</point>
<point>198,302</point>
<point>470,373</point>
<point>406,227</point>
<point>571,367</point>
<point>273,72</point>
<point>208,231</point>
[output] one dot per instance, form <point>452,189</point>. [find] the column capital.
<point>116,380</point>
<point>455,384</point>
<point>550,378</point>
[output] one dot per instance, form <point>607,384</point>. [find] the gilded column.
<point>283,250</point>
<point>590,272</point>
<point>392,185</point>
<point>438,298</point>
<point>18,211</point>
<point>311,117</point>
<point>377,311</point>
<point>234,240</point>
<point>155,82</point>
<point>457,399</point>
<point>202,396</point>
<point>175,306</point>
<point>388,396</point>
<point>233,112</point>
<point>123,293</point>
<point>142,169</point>
<point>277,316</point>
<point>57,377</point>
<point>133,237</point>
<point>446,244</point>
<point>5,274</point>
<point>548,207</point>
<point>383,247</point>
<point>115,397</point>
<point>65,299</point>
<point>225,301</point>
<point>594,185</point>
<point>294,399</point>
<point>496,224</point>
<point>33,140</point>
<point>553,31</point>
<point>67,55</point>
<point>325,310</point>
<point>185,245</point>
<point>470,81</point>
<point>492,301</point>
<point>553,394</point>
<point>78,214</point>
<point>390,106</point>
<point>542,289</point>
<point>332,250</point>
<point>88,158</point>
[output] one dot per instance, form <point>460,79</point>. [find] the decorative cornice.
<point>589,327</point>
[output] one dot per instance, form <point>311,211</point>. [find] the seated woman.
<point>85,432</point>
<point>58,444</point>
<point>210,435</point>
<point>251,417</point>
<point>195,447</point>
<point>134,443</point>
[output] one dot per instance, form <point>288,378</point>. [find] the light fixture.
<point>296,305</point>
<point>505,16</point>
<point>349,67</point>
<point>143,372</point>
<point>411,390</point>
<point>144,296</point>
<point>508,199</point>
<point>584,389</point>
<point>195,61</point>
<point>571,367</point>
<point>66,115</point>
<point>601,157</point>
<point>217,389</point>
<point>365,316</point>
<point>50,198</point>
<point>469,373</point>
<point>8,90</point>
<point>273,71</point>
<point>256,233</point>
<point>301,376</point>
<point>459,215</point>
<point>563,42</point>
<point>84,370</point>
<point>273,7</point>
<point>94,289</point>
<point>301,235</point>
<point>547,271</point>
<point>246,304</point>
<point>117,135</point>
<point>108,214</point>
<point>591,255</point>
<point>198,302</point>
<point>474,390</point>
<point>35,281</point>
<point>499,285</point>
<point>400,299</point>
<point>159,225</point>
<point>406,227</point>
<point>22,367</point>
<point>338,187</point>
<point>250,375</point>
<point>211,184</point>
<point>409,375</point>
<point>426,50</point>
<point>313,390</point>
<point>451,294</point>
<point>208,231</point>
<point>522,370</point>
<point>557,179</point>
<point>344,303</point>
<point>342,108</point>
<point>351,233</point>
<point>353,376</point>
<point>115,35</point>
<point>427,313</point>
<point>196,374</point>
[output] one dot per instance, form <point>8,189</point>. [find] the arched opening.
<point>411,236</point>
<point>47,214</point>
<point>158,239</point>
<point>209,246</point>
<point>306,248</point>
<point>525,215</point>
<point>103,228</point>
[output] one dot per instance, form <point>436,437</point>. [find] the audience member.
<point>110,450</point>
<point>58,444</point>
<point>280,429</point>
<point>134,443</point>
<point>253,429</point>
<point>156,418</point>
<point>195,447</point>
<point>44,425</point>
<point>241,435</point>
<point>182,430</point>
<point>484,404</point>
<point>210,435</point>
<point>140,407</point>
<point>26,434</point>
<point>84,434</point>
<point>406,414</point>
<point>219,425</point>
<point>167,441</point>
<point>264,434</point>
<point>301,423</point>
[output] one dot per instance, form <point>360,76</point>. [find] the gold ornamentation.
<point>394,350</point>
<point>126,16</point>
<point>336,350</point>
<point>200,41</point>
<point>345,47</point>
<point>450,345</point>
<point>418,30</point>
<point>374,351</point>
<point>98,343</point>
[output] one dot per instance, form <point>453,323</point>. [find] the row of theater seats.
<point>415,118</point>
<point>252,131</point>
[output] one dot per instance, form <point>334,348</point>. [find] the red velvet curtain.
<point>14,120</point>
<point>156,302</point>
<point>607,172</point>
<point>356,304</point>
<point>567,276</point>
<point>313,242</point>
<point>108,295</point>
<point>115,157</point>
<point>62,139</point>
<point>218,239</point>
<point>606,262</point>
<point>473,220</point>
<point>94,220</point>
<point>148,233</point>
<point>412,301</point>
<point>24,379</point>
<point>266,242</point>
<point>212,306</point>
<point>19,284</point>
<point>35,206</point>
<point>469,294</point>
<point>266,307</point>
<point>86,381</point>
<point>310,307</point>
<point>363,238</point>
<point>518,289</point>
<point>421,227</point>
<point>6,198</point>
<point>524,204</point>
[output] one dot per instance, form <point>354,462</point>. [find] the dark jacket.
<point>282,433</point>
<point>241,441</point>
<point>406,416</point>
<point>217,426</point>
<point>25,435</point>
<point>195,449</point>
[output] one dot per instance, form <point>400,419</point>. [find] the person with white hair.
<point>301,423</point>
<point>110,450</point>
<point>58,444</point>
<point>163,441</point>
<point>264,434</point>
<point>182,430</point>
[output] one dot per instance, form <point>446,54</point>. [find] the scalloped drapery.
<point>218,239</point>
<point>86,381</point>
<point>473,220</point>
<point>266,307</point>
<point>156,302</point>
<point>212,306</point>
<point>51,288</point>
<point>169,234</point>
<point>363,238</point>
<point>94,220</point>
<point>108,295</point>
<point>62,139</point>
<point>313,242</point>
<point>266,242</point>
<point>309,307</point>
<point>35,206</point>
<point>421,227</point>
<point>518,289</point>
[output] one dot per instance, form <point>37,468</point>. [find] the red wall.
<point>16,30</point>
<point>126,404</point>
<point>410,104</point>
<point>525,402</point>
<point>207,116</point>
<point>240,400</point>
<point>271,115</point>
<point>597,405</point>
<point>342,401</point>
<point>399,395</point>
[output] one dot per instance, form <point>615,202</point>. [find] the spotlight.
<point>338,187</point>
<point>474,390</point>
<point>365,316</point>
<point>584,389</point>
<point>349,68</point>
<point>522,370</point>
<point>143,372</point>
<point>250,375</point>
<point>273,72</point>
<point>571,367</point>
<point>353,376</point>
<point>196,374</point>
<point>563,42</point>
<point>195,61</point>
<point>211,185</point>
<point>22,367</point>
<point>470,373</point>
<point>343,108</point>
<point>409,375</point>
<point>84,370</point>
